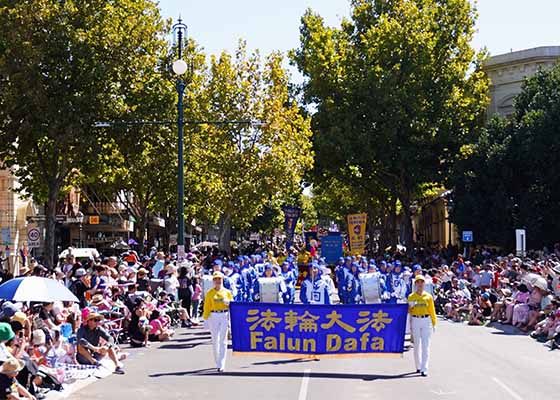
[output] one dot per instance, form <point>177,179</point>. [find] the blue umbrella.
<point>35,289</point>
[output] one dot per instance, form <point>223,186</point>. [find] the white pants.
<point>218,324</point>
<point>421,332</point>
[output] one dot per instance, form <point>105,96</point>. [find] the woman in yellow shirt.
<point>422,323</point>
<point>216,313</point>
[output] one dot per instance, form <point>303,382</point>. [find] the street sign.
<point>33,238</point>
<point>520,242</point>
<point>94,219</point>
<point>468,236</point>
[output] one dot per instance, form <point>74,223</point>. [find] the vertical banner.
<point>331,247</point>
<point>291,216</point>
<point>357,232</point>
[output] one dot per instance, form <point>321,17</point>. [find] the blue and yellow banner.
<point>357,233</point>
<point>320,330</point>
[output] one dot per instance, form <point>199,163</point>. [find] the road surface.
<point>466,363</point>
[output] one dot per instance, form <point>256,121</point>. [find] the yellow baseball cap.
<point>420,278</point>
<point>217,275</point>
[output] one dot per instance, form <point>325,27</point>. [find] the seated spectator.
<point>158,331</point>
<point>139,327</point>
<point>95,343</point>
<point>10,388</point>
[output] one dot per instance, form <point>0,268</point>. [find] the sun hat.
<point>6,332</point>
<point>142,271</point>
<point>97,299</point>
<point>19,317</point>
<point>11,366</point>
<point>93,315</point>
<point>217,275</point>
<point>39,338</point>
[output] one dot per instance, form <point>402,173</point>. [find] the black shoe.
<point>417,371</point>
<point>220,370</point>
<point>185,325</point>
<point>118,371</point>
<point>424,374</point>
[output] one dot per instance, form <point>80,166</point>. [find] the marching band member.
<point>216,313</point>
<point>326,276</point>
<point>234,279</point>
<point>290,281</point>
<point>247,280</point>
<point>352,284</point>
<point>423,322</point>
<point>314,289</point>
<point>340,275</point>
<point>279,289</point>
<point>372,285</point>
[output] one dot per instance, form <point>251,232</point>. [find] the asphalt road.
<point>466,363</point>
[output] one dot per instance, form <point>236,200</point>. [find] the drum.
<point>269,289</point>
<point>371,288</point>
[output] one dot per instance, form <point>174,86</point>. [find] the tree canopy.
<point>397,91</point>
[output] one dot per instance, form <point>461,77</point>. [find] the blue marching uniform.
<point>314,291</point>
<point>290,282</point>
<point>352,285</point>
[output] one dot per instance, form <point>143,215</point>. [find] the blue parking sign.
<point>467,236</point>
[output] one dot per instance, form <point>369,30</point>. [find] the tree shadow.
<point>507,330</point>
<point>315,375</point>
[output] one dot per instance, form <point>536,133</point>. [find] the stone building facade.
<point>508,71</point>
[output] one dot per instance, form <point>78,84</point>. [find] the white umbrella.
<point>37,289</point>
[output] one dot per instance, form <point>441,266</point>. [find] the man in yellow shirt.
<point>422,323</point>
<point>216,313</point>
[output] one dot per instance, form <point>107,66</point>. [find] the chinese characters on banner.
<point>357,232</point>
<point>318,330</point>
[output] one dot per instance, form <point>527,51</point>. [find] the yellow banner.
<point>357,232</point>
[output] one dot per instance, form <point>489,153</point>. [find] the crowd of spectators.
<point>487,288</point>
<point>124,300</point>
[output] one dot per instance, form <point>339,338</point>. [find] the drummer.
<point>216,318</point>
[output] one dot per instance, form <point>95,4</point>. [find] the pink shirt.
<point>197,292</point>
<point>155,327</point>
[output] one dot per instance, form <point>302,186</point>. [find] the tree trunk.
<point>50,223</point>
<point>142,223</point>
<point>408,233</point>
<point>225,232</point>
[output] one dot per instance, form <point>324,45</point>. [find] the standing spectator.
<point>197,292</point>
<point>185,289</point>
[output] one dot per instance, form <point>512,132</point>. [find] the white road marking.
<point>304,385</point>
<point>442,393</point>
<point>507,389</point>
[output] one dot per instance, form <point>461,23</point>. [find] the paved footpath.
<point>467,363</point>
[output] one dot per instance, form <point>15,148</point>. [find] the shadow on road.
<point>507,330</point>
<point>182,340</point>
<point>318,375</point>
<point>281,362</point>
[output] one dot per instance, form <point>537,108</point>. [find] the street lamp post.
<point>80,219</point>
<point>180,67</point>
<point>449,207</point>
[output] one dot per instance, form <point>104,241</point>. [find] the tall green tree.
<point>63,66</point>
<point>397,91</point>
<point>250,166</point>
<point>508,180</point>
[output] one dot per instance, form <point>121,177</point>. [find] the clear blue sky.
<point>274,24</point>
